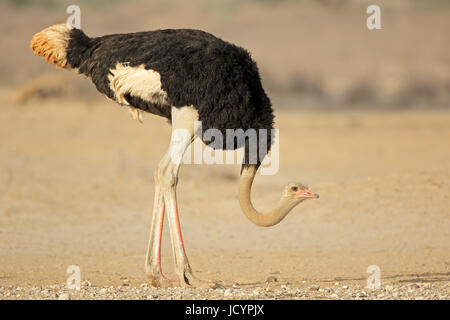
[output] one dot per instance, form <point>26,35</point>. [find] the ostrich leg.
<point>153,257</point>
<point>167,174</point>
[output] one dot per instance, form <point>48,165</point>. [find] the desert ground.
<point>363,119</point>
<point>76,189</point>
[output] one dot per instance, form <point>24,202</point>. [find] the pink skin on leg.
<point>178,227</point>
<point>153,259</point>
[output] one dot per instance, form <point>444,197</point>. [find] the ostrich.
<point>183,75</point>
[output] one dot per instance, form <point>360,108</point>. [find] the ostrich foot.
<point>161,282</point>
<point>188,279</point>
<point>158,279</point>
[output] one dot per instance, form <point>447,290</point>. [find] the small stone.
<point>271,279</point>
<point>86,283</point>
<point>102,291</point>
<point>64,296</point>
<point>414,286</point>
<point>314,288</point>
<point>228,293</point>
<point>255,292</point>
<point>345,287</point>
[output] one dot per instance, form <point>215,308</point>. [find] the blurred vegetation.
<point>430,4</point>
<point>55,4</point>
<point>336,75</point>
<point>229,5</point>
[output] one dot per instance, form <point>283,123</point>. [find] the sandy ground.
<point>76,188</point>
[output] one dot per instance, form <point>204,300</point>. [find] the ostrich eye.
<point>294,189</point>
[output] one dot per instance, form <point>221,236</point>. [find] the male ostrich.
<point>185,76</point>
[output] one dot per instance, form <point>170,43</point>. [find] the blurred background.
<point>312,54</point>
<point>364,120</point>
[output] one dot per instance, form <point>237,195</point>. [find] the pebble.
<point>271,279</point>
<point>438,290</point>
<point>86,283</point>
<point>219,286</point>
<point>64,296</point>
<point>228,293</point>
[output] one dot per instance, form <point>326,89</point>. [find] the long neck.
<point>261,219</point>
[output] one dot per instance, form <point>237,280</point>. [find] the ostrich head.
<point>297,192</point>
<point>293,194</point>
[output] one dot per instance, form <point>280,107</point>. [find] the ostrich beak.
<point>307,194</point>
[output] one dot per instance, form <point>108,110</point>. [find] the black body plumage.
<point>216,77</point>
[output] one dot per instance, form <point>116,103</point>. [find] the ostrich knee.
<point>166,176</point>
